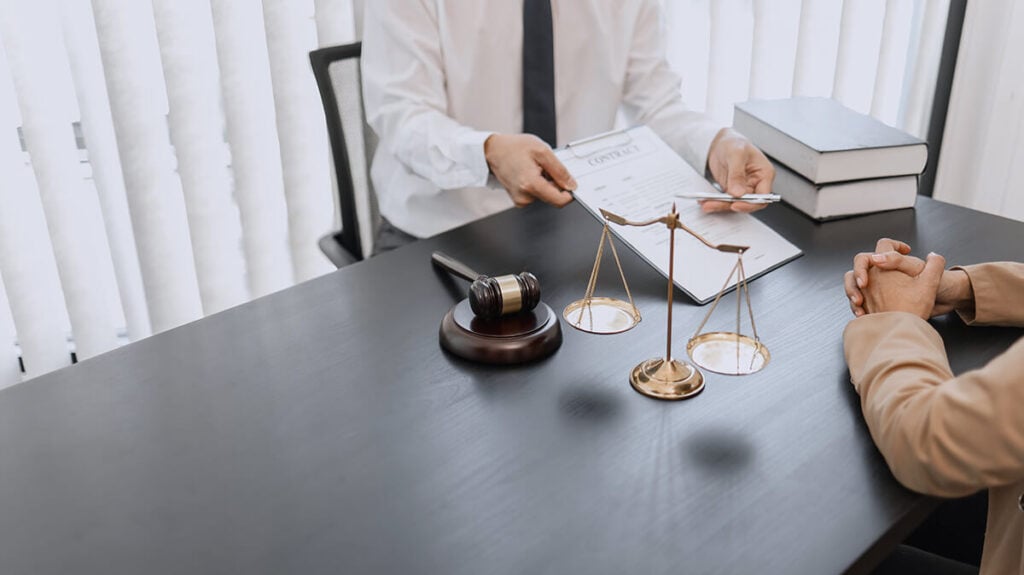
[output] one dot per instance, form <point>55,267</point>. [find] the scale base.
<point>670,379</point>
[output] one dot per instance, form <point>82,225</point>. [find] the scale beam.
<point>672,221</point>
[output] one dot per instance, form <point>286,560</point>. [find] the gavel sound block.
<point>502,321</point>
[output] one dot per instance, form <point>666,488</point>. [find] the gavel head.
<point>504,295</point>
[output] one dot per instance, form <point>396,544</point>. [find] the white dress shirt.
<point>440,76</point>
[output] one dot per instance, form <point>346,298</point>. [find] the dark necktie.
<point>538,71</point>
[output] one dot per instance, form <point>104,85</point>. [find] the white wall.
<point>982,160</point>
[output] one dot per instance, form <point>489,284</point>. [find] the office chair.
<point>338,77</point>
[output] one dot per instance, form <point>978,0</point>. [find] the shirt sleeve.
<point>405,97</point>
<point>998,294</point>
<point>941,435</point>
<point>651,92</point>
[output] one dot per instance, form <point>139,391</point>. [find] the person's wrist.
<point>489,145</point>
<point>964,291</point>
<point>726,138</point>
<point>955,292</point>
<point>723,133</point>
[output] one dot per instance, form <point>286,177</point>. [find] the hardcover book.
<point>824,141</point>
<point>841,199</point>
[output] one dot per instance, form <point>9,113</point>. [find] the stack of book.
<point>831,161</point>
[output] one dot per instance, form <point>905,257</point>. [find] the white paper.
<point>636,175</point>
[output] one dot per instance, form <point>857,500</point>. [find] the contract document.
<point>634,174</point>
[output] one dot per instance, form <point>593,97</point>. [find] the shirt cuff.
<point>703,134</point>
<point>470,146</point>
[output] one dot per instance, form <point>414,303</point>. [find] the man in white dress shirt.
<point>450,87</point>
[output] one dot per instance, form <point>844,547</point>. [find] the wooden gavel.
<point>493,297</point>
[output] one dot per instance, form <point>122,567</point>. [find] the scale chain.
<point>622,274</point>
<point>718,297</point>
<point>592,283</point>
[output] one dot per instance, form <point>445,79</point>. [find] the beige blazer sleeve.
<point>998,294</point>
<point>940,434</point>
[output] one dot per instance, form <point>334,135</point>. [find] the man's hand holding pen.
<point>740,169</point>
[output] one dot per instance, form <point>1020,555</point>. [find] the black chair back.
<point>337,73</point>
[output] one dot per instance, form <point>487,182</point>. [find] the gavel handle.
<point>454,266</point>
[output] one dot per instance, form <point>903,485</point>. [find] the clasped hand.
<point>529,170</point>
<point>890,279</point>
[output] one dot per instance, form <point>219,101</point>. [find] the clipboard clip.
<point>580,148</point>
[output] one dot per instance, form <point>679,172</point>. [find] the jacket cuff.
<point>969,316</point>
<point>991,286</point>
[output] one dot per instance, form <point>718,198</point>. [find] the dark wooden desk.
<point>322,429</point>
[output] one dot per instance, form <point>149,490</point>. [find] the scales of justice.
<point>728,353</point>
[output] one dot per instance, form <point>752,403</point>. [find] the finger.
<point>545,191</point>
<point>555,170</point>
<point>764,185</point>
<point>519,198</point>
<point>933,268</point>
<point>856,310</point>
<point>896,261</point>
<point>861,263</point>
<point>891,245</point>
<point>747,207</point>
<point>852,291</point>
<point>710,206</point>
<point>736,181</point>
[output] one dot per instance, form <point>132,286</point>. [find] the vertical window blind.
<point>199,181</point>
<point>983,147</point>
<point>199,175</point>
<point>879,57</point>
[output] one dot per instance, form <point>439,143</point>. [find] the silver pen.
<point>751,198</point>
